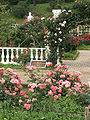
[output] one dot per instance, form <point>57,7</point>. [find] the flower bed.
<point>52,86</point>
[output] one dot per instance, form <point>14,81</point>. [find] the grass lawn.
<point>65,104</point>
<point>40,9</point>
<point>84,47</point>
<point>68,5</point>
<point>13,66</point>
<point>71,55</point>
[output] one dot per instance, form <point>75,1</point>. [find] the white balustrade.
<point>31,54</point>
<point>17,53</point>
<point>41,54</point>
<point>56,13</point>
<point>36,54</point>
<point>12,55</point>
<point>7,54</point>
<point>2,55</point>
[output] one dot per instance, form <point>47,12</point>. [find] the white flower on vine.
<point>55,34</point>
<point>60,39</point>
<point>63,10</point>
<point>60,32</point>
<point>69,11</point>
<point>58,28</point>
<point>62,25</point>
<point>64,22</point>
<point>42,18</point>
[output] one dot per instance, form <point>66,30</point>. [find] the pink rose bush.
<point>55,84</point>
<point>41,87</point>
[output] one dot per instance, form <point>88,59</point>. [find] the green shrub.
<point>70,54</point>
<point>65,104</point>
<point>13,2</point>
<point>82,8</point>
<point>20,10</point>
<point>31,33</point>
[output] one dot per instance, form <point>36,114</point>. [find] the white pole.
<point>58,57</point>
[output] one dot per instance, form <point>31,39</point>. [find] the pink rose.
<point>55,97</point>
<point>34,99</point>
<point>31,89</point>
<point>43,86</point>
<point>50,92</point>
<point>2,81</point>
<point>27,106</point>
<point>2,70</point>
<point>62,76</point>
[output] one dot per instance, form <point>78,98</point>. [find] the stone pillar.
<point>56,12</point>
<point>29,17</point>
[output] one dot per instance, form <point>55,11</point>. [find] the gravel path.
<point>81,64</point>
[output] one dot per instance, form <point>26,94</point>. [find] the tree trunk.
<point>34,2</point>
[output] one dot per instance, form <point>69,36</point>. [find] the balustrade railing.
<point>7,54</point>
<point>81,29</point>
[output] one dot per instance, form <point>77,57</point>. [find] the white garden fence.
<point>81,29</point>
<point>7,54</point>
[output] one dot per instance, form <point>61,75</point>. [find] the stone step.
<point>39,63</point>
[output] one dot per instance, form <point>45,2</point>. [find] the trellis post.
<point>86,113</point>
<point>58,57</point>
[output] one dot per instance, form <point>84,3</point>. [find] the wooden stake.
<point>86,113</point>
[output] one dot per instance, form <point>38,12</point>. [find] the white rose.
<point>64,22</point>
<point>60,32</point>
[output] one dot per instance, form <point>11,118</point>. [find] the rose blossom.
<point>2,70</point>
<point>2,81</point>
<point>50,92</point>
<point>27,106</point>
<point>62,76</point>
<point>55,97</point>
<point>43,86</point>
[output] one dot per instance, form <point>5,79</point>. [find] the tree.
<point>5,26</point>
<point>34,2</point>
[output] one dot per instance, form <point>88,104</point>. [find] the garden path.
<point>81,64</point>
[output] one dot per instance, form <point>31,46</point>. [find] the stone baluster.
<point>31,54</point>
<point>2,55</point>
<point>58,57</point>
<point>21,51</point>
<point>12,55</point>
<point>7,56</point>
<point>41,54</point>
<point>17,53</point>
<point>36,57</point>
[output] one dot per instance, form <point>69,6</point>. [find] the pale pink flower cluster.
<point>52,84</point>
<point>31,68</point>
<point>48,64</point>
<point>2,70</point>
<point>2,80</point>
<point>10,70</point>
<point>27,106</point>
<point>14,81</point>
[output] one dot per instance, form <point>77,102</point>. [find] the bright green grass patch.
<point>40,9</point>
<point>68,5</point>
<point>84,47</point>
<point>70,54</point>
<point>18,20</point>
<point>65,104</point>
<point>13,66</point>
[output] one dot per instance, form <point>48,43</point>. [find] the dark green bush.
<point>83,9</point>
<point>20,10</point>
<point>13,2</point>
